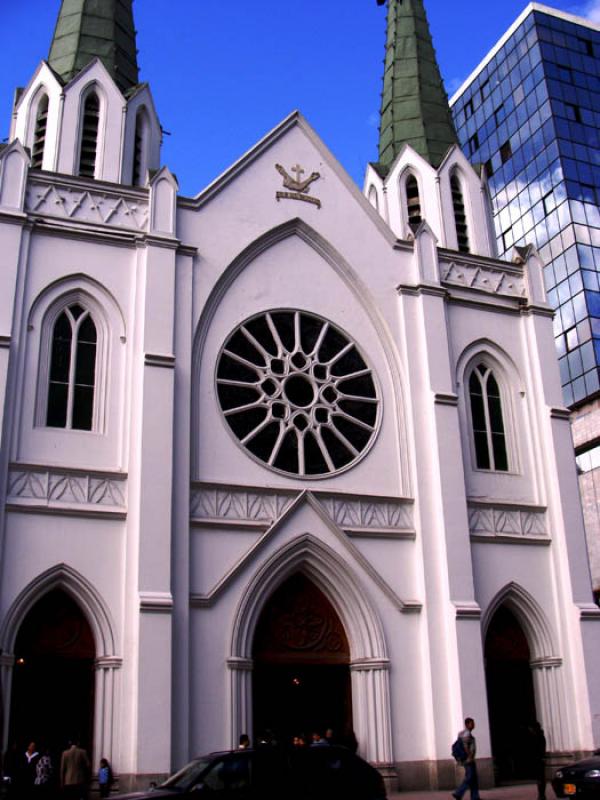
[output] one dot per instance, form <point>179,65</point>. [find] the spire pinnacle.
<point>87,29</point>
<point>414,104</point>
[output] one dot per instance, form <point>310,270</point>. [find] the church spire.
<point>87,29</point>
<point>414,104</point>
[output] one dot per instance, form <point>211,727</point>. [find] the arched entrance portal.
<point>52,698</point>
<point>511,697</point>
<point>301,678</point>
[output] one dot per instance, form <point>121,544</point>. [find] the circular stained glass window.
<point>297,393</point>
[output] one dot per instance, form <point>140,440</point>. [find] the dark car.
<point>580,779</point>
<point>312,773</point>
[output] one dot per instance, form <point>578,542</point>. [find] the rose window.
<point>297,393</point>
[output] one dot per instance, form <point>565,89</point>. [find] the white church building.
<point>282,455</point>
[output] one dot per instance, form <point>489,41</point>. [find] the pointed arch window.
<point>72,370</point>
<point>39,133</point>
<point>460,215</point>
<point>487,419</point>
<point>90,124</point>
<point>140,147</point>
<point>413,202</point>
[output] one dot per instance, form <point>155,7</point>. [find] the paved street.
<point>521,792</point>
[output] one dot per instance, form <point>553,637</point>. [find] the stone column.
<point>107,707</point>
<point>7,662</point>
<point>240,697</point>
<point>550,701</point>
<point>371,709</point>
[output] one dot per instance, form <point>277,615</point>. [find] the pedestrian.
<point>471,780</point>
<point>44,773</point>
<point>538,752</point>
<point>74,772</point>
<point>27,770</point>
<point>105,777</point>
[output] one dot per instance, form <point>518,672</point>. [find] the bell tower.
<point>421,175</point>
<point>84,112</point>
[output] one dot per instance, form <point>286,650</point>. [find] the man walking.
<point>470,781</point>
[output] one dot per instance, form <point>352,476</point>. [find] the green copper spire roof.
<point>414,104</point>
<point>87,29</point>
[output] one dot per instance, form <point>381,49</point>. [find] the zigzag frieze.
<point>484,279</point>
<point>222,505</point>
<point>516,522</point>
<point>34,486</point>
<point>238,505</point>
<point>104,208</point>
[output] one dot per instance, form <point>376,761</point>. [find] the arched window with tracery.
<point>413,202</point>
<point>72,374</point>
<point>460,214</point>
<point>39,133</point>
<point>90,125</point>
<point>489,436</point>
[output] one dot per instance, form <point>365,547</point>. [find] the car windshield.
<point>188,776</point>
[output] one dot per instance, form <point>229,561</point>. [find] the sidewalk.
<point>520,792</point>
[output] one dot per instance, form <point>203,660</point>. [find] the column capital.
<point>365,664</point>
<point>239,663</point>
<point>108,662</point>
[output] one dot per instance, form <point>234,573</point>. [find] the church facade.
<point>283,455</point>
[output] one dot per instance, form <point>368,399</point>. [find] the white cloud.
<point>454,84</point>
<point>590,10</point>
<point>373,120</point>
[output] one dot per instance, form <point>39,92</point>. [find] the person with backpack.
<point>467,759</point>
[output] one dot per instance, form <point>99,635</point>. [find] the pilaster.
<point>456,674</point>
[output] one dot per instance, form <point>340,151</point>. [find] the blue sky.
<point>225,73</point>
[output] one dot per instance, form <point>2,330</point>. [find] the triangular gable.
<point>294,120</point>
<point>355,559</point>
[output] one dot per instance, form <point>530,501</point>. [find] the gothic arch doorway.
<point>301,676</point>
<point>511,697</point>
<point>52,697</point>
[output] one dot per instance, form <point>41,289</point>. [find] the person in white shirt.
<point>471,780</point>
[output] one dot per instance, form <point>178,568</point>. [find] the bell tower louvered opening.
<point>460,216</point>
<point>89,136</point>
<point>413,202</point>
<point>140,147</point>
<point>39,134</point>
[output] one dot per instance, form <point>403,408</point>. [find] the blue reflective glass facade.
<point>532,117</point>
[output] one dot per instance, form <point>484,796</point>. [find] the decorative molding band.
<point>224,505</point>
<point>467,610</point>
<point>560,413</point>
<point>484,278</point>
<point>364,664</point>
<point>187,250</point>
<point>35,488</point>
<point>108,662</point>
<point>256,508</point>
<point>5,342</point>
<point>73,202</point>
<point>418,289</point>
<point>446,399</point>
<point>510,522</point>
<point>589,611</point>
<point>156,602</point>
<point>370,515</point>
<point>241,664</point>
<point>159,360</point>
<point>537,311</point>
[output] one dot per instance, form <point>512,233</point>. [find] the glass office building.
<point>530,113</point>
